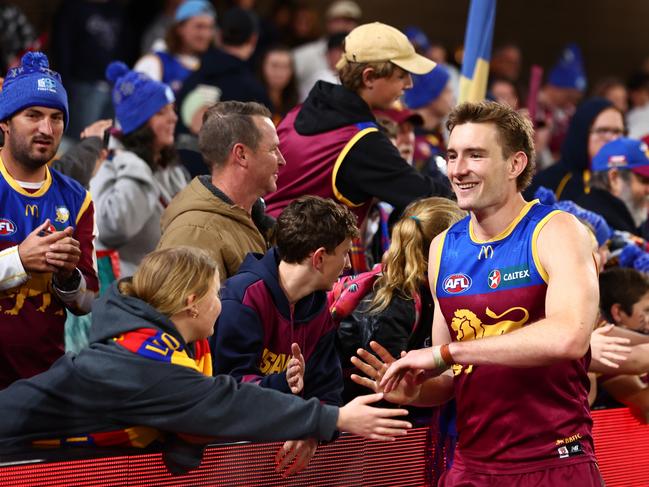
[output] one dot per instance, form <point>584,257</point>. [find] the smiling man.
<point>332,143</point>
<point>278,300</point>
<point>222,213</point>
<point>46,225</point>
<point>513,345</point>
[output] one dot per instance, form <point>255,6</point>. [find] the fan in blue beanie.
<point>426,88</point>
<point>569,71</point>
<point>32,84</point>
<point>633,256</point>
<point>417,38</point>
<point>136,97</point>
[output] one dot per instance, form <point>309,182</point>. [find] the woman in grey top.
<point>132,188</point>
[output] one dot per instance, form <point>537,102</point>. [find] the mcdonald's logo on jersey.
<point>31,210</point>
<point>486,251</point>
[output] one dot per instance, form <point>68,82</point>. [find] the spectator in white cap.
<point>134,187</point>
<point>188,37</point>
<point>342,16</point>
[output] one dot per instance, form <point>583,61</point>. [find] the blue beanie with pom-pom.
<point>32,84</point>
<point>633,256</point>
<point>136,97</point>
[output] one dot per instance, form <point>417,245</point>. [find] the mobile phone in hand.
<point>106,138</point>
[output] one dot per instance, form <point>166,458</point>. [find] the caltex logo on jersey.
<point>457,283</point>
<point>494,279</point>
<point>7,227</point>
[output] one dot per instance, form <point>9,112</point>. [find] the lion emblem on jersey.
<point>62,214</point>
<point>468,326</point>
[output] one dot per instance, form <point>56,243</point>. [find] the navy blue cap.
<point>426,87</point>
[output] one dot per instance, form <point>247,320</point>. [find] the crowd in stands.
<point>253,202</point>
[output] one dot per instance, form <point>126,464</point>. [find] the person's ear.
<point>617,313</point>
<point>317,259</point>
<point>614,180</point>
<point>240,153</point>
<point>369,77</point>
<point>190,305</point>
<point>518,164</point>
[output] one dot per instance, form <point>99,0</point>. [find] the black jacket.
<point>373,166</point>
<point>230,74</point>
<point>613,209</point>
<point>566,177</point>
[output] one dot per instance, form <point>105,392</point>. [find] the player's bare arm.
<point>565,252</point>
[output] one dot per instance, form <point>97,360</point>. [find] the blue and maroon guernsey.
<point>509,419</point>
<point>312,162</point>
<point>32,317</point>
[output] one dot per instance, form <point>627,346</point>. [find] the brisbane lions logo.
<point>469,327</point>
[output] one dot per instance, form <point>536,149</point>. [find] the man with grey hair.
<point>222,213</point>
<point>620,185</point>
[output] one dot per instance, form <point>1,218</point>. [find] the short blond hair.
<point>351,74</point>
<point>186,270</point>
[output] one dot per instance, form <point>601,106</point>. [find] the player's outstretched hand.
<point>415,361</point>
<point>360,418</point>
<point>374,368</point>
<point>294,456</point>
<point>606,349</point>
<point>295,370</point>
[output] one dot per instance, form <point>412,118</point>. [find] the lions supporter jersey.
<point>509,419</point>
<point>31,314</point>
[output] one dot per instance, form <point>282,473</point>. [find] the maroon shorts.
<point>581,475</point>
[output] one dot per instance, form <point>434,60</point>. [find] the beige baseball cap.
<point>377,42</point>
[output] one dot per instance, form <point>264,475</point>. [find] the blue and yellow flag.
<point>477,50</point>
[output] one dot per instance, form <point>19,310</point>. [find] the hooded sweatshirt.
<point>253,335</point>
<point>334,148</point>
<point>108,387</point>
<point>203,216</point>
<point>569,177</point>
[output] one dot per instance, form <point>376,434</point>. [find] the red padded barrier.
<point>621,442</point>
<point>622,448</point>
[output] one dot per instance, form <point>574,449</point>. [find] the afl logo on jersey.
<point>494,279</point>
<point>7,227</point>
<point>457,283</point>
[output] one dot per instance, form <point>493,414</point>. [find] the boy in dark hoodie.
<point>332,144</point>
<point>147,377</point>
<point>276,307</point>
